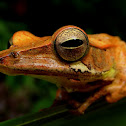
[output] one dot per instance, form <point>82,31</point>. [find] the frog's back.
<point>114,45</point>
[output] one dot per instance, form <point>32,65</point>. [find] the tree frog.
<point>73,60</point>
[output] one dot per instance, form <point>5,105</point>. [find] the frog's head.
<point>66,54</point>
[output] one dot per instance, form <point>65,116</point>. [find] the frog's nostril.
<point>14,54</point>
<point>1,60</point>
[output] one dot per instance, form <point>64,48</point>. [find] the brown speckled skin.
<point>35,56</point>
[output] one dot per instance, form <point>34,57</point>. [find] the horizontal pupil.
<point>72,43</point>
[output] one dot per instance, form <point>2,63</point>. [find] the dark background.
<point>43,18</point>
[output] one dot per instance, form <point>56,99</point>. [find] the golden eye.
<point>71,43</point>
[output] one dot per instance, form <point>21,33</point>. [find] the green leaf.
<point>35,118</point>
<point>60,115</point>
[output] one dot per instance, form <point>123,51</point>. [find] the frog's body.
<point>102,67</point>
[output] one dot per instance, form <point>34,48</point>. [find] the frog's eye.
<point>71,43</point>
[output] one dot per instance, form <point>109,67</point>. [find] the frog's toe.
<point>74,104</point>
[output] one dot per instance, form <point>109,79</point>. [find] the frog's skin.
<point>102,66</point>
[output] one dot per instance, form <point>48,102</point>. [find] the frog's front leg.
<point>62,96</point>
<point>90,100</point>
<point>117,89</point>
<point>113,93</point>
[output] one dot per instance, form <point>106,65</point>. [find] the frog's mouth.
<point>28,62</point>
<point>44,62</point>
<point>14,63</point>
<point>21,63</point>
